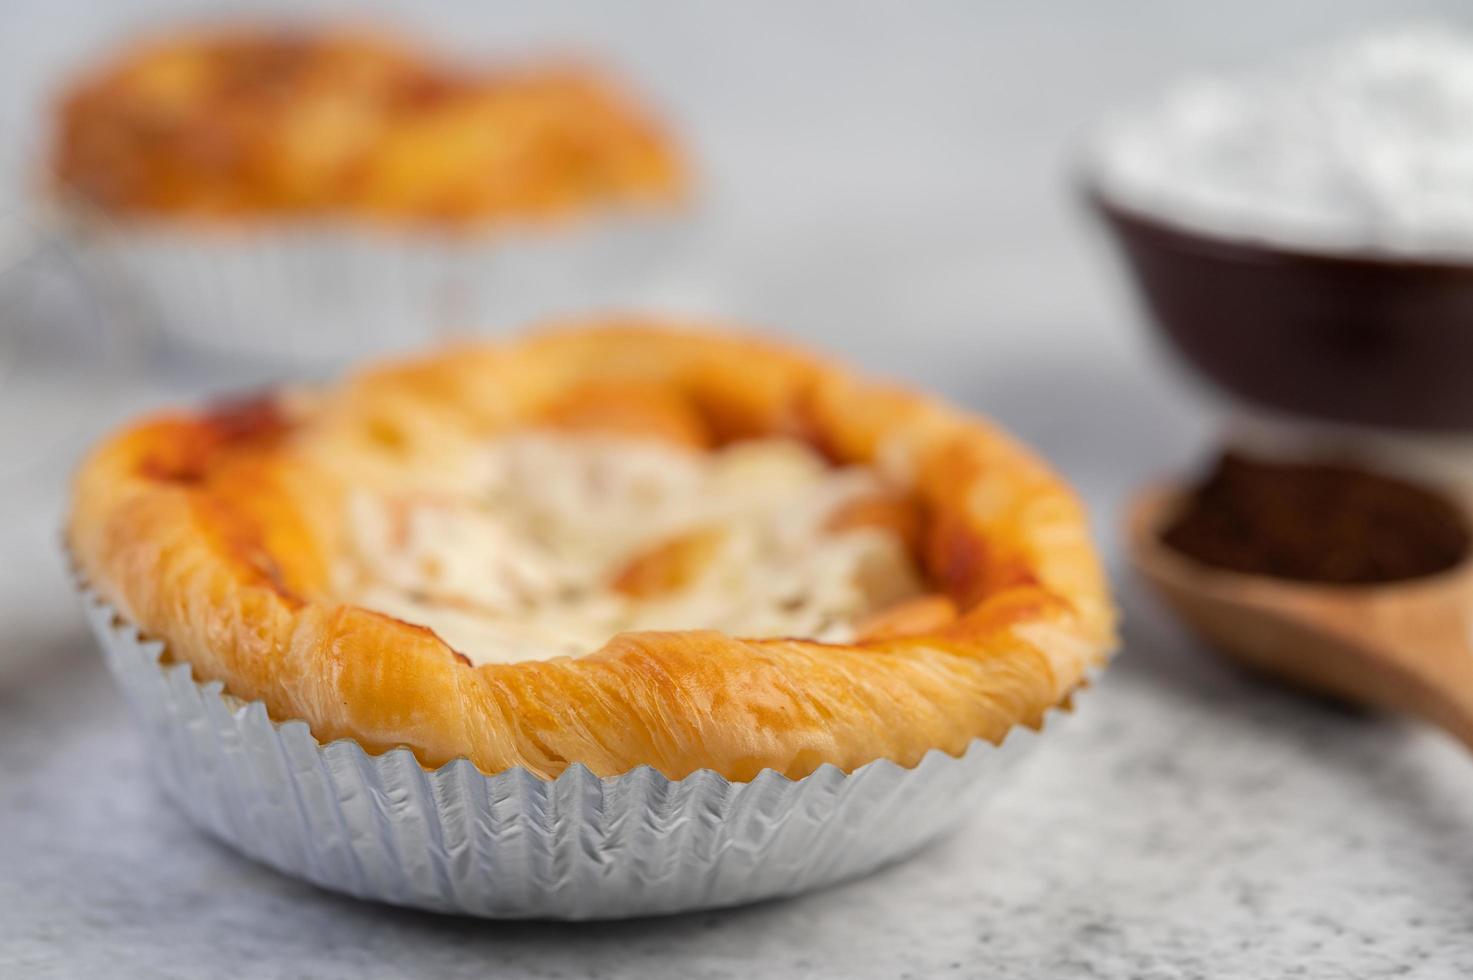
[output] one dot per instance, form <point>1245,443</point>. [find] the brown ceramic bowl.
<point>1345,338</point>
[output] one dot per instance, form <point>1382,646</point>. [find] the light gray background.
<point>891,181</point>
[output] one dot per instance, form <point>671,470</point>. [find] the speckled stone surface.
<point>1191,822</point>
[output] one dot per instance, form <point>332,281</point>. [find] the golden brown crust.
<point>215,533</point>
<point>927,613</point>
<point>242,121</point>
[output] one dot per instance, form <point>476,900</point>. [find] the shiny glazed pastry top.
<point>241,122</point>
<point>614,545</point>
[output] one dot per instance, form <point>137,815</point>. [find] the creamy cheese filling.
<point>559,542</point>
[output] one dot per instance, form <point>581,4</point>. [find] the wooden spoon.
<point>1405,646</point>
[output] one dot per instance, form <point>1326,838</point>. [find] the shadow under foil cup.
<point>1357,338</point>
<point>514,845</point>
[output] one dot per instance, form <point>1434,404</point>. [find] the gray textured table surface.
<point>889,183</point>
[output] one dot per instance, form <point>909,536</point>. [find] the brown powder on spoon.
<point>1333,523</point>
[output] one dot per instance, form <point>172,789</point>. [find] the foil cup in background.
<point>514,845</point>
<point>328,292</point>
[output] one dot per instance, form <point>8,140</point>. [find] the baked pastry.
<point>612,545</point>
<point>240,122</point>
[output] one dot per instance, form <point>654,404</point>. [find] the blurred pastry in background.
<point>317,193</point>
<point>238,123</point>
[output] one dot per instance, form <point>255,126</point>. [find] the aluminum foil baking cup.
<point>322,292</point>
<point>515,845</point>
